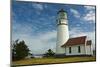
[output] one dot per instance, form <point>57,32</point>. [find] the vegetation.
<point>94,52</point>
<point>51,60</point>
<point>49,53</point>
<point>19,50</point>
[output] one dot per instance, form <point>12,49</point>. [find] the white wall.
<point>88,50</point>
<point>74,50</point>
<point>62,37</point>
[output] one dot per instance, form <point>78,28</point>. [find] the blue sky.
<point>36,23</point>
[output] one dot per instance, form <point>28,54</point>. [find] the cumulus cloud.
<point>42,42</point>
<point>90,14</point>
<point>39,43</point>
<point>90,17</point>
<point>21,28</point>
<point>38,6</point>
<point>75,13</point>
<point>89,7</point>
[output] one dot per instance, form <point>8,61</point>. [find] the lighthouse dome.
<point>62,14</point>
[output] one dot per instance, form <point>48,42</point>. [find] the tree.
<point>49,53</point>
<point>19,50</point>
<point>94,52</point>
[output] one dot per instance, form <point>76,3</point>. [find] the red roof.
<point>89,42</point>
<point>75,41</point>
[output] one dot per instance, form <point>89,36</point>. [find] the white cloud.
<point>21,29</point>
<point>39,43</point>
<point>75,13</point>
<point>90,7</point>
<point>90,14</point>
<point>37,6</point>
<point>90,17</point>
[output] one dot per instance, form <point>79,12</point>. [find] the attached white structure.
<point>78,46</point>
<point>70,46</point>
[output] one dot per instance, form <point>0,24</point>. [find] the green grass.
<point>36,61</point>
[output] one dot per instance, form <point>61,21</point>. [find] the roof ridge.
<point>77,37</point>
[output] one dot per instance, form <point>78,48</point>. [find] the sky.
<point>35,23</point>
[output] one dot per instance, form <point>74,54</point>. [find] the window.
<point>69,49</point>
<point>59,21</point>
<point>79,50</point>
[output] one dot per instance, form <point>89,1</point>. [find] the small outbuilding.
<point>78,46</point>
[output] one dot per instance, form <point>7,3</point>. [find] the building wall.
<point>74,50</point>
<point>62,37</point>
<point>88,50</point>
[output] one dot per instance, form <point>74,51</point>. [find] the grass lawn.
<point>36,61</point>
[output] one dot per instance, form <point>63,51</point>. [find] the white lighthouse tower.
<point>62,31</point>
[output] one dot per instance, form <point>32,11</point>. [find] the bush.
<point>49,53</point>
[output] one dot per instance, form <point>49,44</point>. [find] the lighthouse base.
<point>60,55</point>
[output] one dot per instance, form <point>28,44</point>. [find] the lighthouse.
<point>62,31</point>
